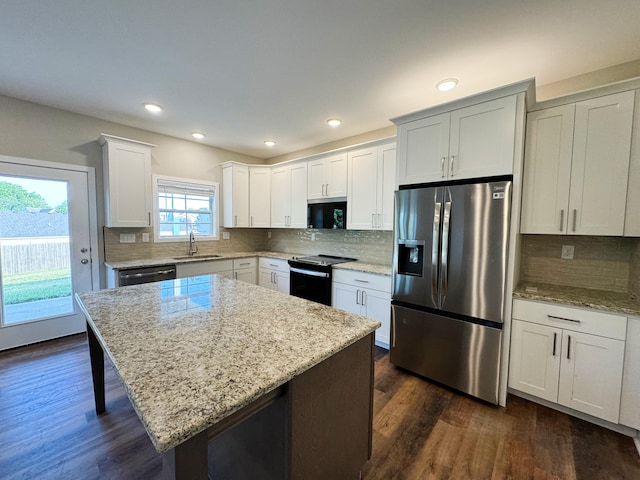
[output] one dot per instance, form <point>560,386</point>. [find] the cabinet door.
<point>343,296</point>
<point>534,366</point>
<point>315,179</point>
<point>246,275</point>
<point>128,190</point>
<point>362,195</point>
<point>377,305</point>
<point>336,176</point>
<point>483,139</point>
<point>282,282</point>
<point>235,183</point>
<point>387,161</point>
<point>547,170</point>
<point>423,149</point>
<point>259,197</point>
<point>267,278</point>
<point>600,164</point>
<point>280,196</point>
<point>298,199</point>
<point>591,374</point>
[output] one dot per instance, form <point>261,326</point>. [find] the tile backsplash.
<point>366,246</point>
<point>241,240</point>
<point>603,263</point>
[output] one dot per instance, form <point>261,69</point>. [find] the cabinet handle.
<point>561,219</point>
<point>149,218</point>
<point>453,159</point>
<point>373,220</point>
<point>379,221</point>
<point>363,298</point>
<point>569,347</point>
<point>562,318</point>
<point>555,337</point>
<point>251,220</point>
<point>235,275</point>
<point>393,327</point>
<point>357,297</point>
<point>235,220</point>
<point>575,214</point>
<point>442,166</point>
<point>361,281</point>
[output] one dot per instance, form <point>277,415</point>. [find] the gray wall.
<point>33,131</point>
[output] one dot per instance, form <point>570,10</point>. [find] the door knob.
<point>84,261</point>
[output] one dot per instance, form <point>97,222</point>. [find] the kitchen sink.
<point>197,257</point>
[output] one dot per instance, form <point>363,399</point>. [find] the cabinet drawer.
<point>559,316</point>
<point>274,264</point>
<point>365,280</point>
<point>244,262</point>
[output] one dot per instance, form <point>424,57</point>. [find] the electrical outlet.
<point>268,234</point>
<point>127,238</point>
<point>226,236</point>
<point>313,237</point>
<point>145,237</point>
<point>567,252</point>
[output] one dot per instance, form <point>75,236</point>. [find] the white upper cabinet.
<point>289,196</point>
<point>577,167</point>
<point>127,182</point>
<point>260,197</point>
<point>475,141</point>
<point>371,175</point>
<point>235,194</point>
<point>327,177</point>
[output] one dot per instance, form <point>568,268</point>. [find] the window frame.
<point>181,181</point>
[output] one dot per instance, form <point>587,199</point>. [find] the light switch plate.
<point>567,252</point>
<point>127,238</point>
<point>225,235</point>
<point>145,237</point>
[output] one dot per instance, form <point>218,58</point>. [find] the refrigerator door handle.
<point>444,259</point>
<point>393,327</point>
<point>434,252</point>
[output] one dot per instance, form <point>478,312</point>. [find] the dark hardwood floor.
<point>49,429</point>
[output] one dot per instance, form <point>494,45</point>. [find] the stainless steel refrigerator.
<point>449,278</point>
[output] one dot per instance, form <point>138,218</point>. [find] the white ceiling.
<point>243,71</point>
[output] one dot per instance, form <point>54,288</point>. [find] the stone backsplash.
<point>366,246</point>
<point>603,263</point>
<point>241,240</point>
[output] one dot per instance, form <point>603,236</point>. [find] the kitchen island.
<point>237,380</point>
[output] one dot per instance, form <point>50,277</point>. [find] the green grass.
<point>36,286</point>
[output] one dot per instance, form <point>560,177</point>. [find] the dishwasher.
<point>136,276</point>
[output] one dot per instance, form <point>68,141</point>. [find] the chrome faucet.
<point>192,248</point>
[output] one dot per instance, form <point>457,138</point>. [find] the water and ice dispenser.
<point>410,257</point>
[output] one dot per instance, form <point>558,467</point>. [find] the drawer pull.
<point>361,281</point>
<point>562,318</point>
<point>569,348</point>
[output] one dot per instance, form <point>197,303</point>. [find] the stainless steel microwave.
<point>327,214</point>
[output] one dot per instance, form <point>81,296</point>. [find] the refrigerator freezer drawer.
<point>459,354</point>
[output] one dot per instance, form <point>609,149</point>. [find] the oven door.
<point>310,284</point>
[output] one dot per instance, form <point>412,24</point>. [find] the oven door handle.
<point>311,273</point>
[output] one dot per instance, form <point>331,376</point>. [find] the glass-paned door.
<point>45,252</point>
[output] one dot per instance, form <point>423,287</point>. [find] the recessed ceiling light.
<point>153,108</point>
<point>269,143</point>
<point>197,135</point>
<point>334,122</point>
<point>446,85</point>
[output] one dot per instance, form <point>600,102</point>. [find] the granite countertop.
<point>365,267</point>
<point>192,351</point>
<point>617,302</point>
<point>154,262</point>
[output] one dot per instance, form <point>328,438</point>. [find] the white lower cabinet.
<point>364,294</point>
<point>245,269</point>
<point>568,356</point>
<point>274,274</point>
